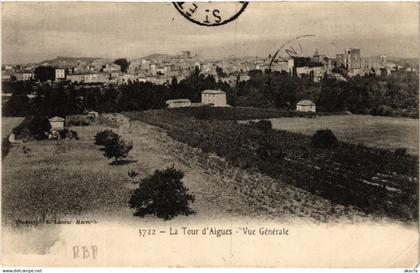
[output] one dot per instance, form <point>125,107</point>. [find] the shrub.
<point>400,152</point>
<point>38,126</point>
<point>383,110</point>
<point>263,125</point>
<point>324,139</point>
<point>104,137</point>
<point>132,175</point>
<point>117,149</point>
<point>68,134</point>
<point>162,194</point>
<point>269,151</point>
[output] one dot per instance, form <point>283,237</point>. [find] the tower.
<point>352,58</point>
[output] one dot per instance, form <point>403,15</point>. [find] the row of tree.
<point>395,94</point>
<point>64,98</point>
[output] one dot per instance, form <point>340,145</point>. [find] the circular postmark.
<point>308,50</point>
<point>211,13</point>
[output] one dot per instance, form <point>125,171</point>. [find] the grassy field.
<point>373,131</point>
<point>61,178</point>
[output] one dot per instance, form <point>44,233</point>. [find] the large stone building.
<point>213,98</point>
<point>60,73</point>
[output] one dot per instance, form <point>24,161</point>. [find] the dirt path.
<point>222,190</point>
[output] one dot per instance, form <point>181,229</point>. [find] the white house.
<point>178,103</point>
<point>57,123</point>
<point>306,106</point>
<point>214,98</point>
<point>60,73</point>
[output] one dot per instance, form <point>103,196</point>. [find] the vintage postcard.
<point>210,134</point>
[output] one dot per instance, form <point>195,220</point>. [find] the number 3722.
<point>146,232</point>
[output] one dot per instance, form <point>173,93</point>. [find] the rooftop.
<point>177,101</point>
<point>306,102</point>
<point>208,91</point>
<point>56,118</point>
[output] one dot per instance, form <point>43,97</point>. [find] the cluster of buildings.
<point>157,68</point>
<point>350,61</point>
<point>162,68</point>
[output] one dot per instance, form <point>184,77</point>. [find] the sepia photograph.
<point>210,134</point>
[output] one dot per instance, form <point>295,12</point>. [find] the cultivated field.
<point>373,131</point>
<point>377,181</point>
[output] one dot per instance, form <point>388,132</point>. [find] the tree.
<point>123,63</point>
<point>332,95</point>
<point>162,194</point>
<point>117,148</point>
<point>220,71</point>
<point>45,73</point>
<point>38,126</point>
<point>17,105</point>
<point>106,137</point>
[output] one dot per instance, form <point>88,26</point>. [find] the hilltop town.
<point>162,68</point>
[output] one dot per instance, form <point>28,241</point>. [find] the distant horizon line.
<point>177,54</point>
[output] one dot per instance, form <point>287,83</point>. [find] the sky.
<point>37,31</point>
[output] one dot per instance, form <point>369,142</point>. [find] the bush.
<point>104,137</point>
<point>269,151</point>
<point>324,139</point>
<point>400,152</point>
<point>162,194</point>
<point>38,126</point>
<point>117,149</point>
<point>383,110</point>
<point>68,134</point>
<point>263,125</point>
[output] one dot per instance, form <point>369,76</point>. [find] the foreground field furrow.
<point>393,182</point>
<point>261,196</point>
